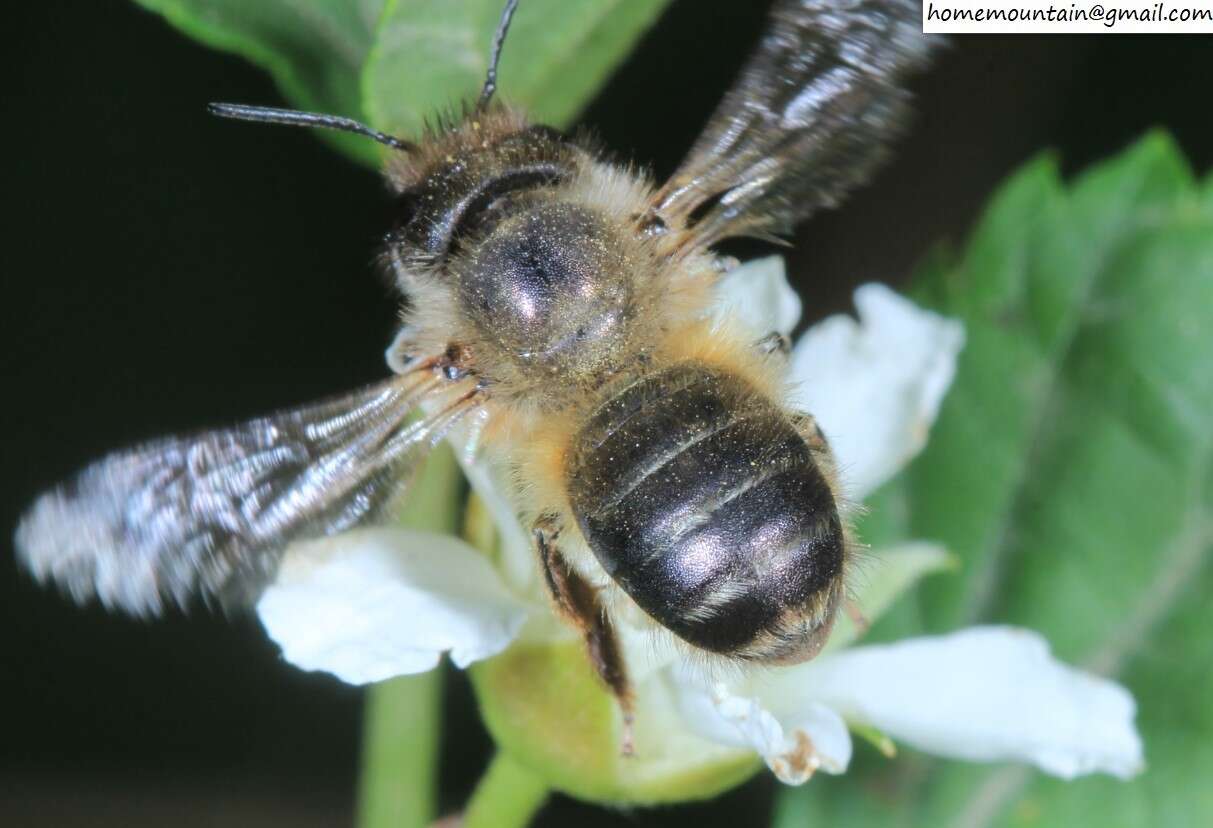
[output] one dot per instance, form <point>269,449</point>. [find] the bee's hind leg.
<point>578,602</point>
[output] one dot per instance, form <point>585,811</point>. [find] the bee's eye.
<point>486,207</point>
<point>458,203</point>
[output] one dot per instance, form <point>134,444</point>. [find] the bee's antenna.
<point>490,79</point>
<point>293,117</point>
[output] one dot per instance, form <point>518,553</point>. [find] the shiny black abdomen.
<point>700,498</point>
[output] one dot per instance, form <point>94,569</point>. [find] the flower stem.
<point>507,796</point>
<point>403,717</point>
<point>401,729</point>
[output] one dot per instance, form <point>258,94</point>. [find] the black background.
<point>164,271</point>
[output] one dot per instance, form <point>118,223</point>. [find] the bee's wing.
<point>807,120</point>
<point>210,514</point>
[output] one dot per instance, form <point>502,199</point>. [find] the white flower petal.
<point>757,295</point>
<point>371,604</point>
<point>981,694</point>
<point>875,385</point>
<point>794,741</point>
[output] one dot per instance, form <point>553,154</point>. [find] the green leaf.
<point>430,56</point>
<point>399,64</point>
<point>1033,291</point>
<point>1071,471</point>
<point>314,49</point>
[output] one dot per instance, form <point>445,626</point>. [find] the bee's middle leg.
<point>578,602</point>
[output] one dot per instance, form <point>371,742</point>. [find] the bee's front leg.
<point>578,602</point>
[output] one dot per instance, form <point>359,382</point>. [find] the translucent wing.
<point>806,122</point>
<point>210,514</point>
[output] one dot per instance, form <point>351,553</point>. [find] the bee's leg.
<point>578,602</point>
<point>806,424</point>
<point>774,343</point>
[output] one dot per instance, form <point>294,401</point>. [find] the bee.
<point>561,302</point>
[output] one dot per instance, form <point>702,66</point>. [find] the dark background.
<point>165,271</point>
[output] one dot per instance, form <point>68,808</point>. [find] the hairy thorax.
<point>526,251</point>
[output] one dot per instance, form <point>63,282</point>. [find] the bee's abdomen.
<point>703,502</point>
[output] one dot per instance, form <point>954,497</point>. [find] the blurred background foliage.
<point>168,272</point>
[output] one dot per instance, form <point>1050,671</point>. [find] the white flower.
<point>982,694</point>
<point>386,602</point>
<point>372,604</point>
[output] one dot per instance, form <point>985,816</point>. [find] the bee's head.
<point>495,214</point>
